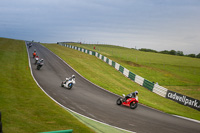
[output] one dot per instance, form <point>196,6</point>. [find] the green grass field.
<point>24,106</point>
<point>176,73</point>
<point>107,77</point>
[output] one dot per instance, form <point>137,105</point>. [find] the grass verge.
<point>97,126</point>
<point>24,107</point>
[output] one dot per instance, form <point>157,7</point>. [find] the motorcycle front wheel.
<point>70,85</point>
<point>38,67</point>
<point>119,102</point>
<point>133,105</point>
<point>36,62</point>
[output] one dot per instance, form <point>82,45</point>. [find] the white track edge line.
<point>187,118</point>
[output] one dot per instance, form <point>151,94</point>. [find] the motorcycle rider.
<point>70,78</point>
<point>29,45</point>
<point>131,95</point>
<point>36,59</point>
<point>34,53</point>
<point>36,56</point>
<point>40,61</point>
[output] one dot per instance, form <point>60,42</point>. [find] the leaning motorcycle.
<point>39,65</point>
<point>68,84</point>
<point>130,102</point>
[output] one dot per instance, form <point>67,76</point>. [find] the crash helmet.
<point>34,50</point>
<point>73,76</point>
<point>67,79</point>
<point>136,92</point>
<point>41,60</point>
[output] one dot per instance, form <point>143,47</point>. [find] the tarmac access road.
<point>94,102</point>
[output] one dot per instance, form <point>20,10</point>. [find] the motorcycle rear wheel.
<point>38,67</point>
<point>62,84</point>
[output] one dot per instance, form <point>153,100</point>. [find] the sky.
<point>153,24</point>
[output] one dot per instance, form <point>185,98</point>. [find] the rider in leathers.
<point>131,95</point>
<point>70,78</point>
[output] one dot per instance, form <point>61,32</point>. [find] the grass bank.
<point>24,107</point>
<point>176,73</point>
<point>107,77</point>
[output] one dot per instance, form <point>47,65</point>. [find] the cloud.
<point>156,24</point>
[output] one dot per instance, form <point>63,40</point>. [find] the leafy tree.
<point>198,56</point>
<point>164,52</point>
<point>148,50</point>
<point>191,55</point>
<point>179,53</point>
<point>172,52</point>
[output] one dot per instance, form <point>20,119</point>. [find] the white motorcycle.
<point>68,83</point>
<point>36,59</point>
<point>40,63</point>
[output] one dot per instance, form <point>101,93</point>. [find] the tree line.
<point>171,52</point>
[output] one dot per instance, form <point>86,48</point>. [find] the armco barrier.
<point>147,84</point>
<point>139,80</point>
<point>113,63</point>
<point>121,69</point>
<point>126,72</point>
<point>131,76</point>
<point>117,66</point>
<point>136,78</point>
<point>160,90</point>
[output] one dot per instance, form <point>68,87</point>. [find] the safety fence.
<point>151,86</point>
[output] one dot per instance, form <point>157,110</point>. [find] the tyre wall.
<point>151,86</point>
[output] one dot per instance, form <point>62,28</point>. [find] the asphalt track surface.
<point>94,102</point>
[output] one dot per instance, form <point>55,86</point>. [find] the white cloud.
<point>155,24</point>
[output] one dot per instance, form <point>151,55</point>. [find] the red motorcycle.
<point>130,102</point>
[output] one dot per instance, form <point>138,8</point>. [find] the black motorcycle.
<point>40,64</point>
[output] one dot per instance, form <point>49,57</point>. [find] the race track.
<point>94,102</point>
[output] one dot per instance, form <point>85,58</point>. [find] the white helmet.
<point>73,76</point>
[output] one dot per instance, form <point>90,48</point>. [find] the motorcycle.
<point>68,84</point>
<point>130,102</point>
<point>36,59</point>
<point>40,64</point>
<point>29,45</point>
